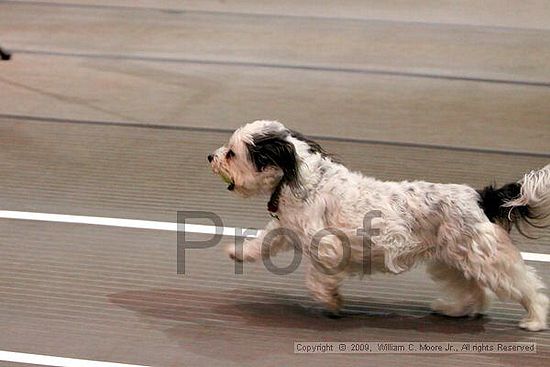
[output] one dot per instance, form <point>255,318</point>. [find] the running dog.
<point>460,233</point>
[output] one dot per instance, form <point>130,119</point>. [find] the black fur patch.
<point>274,150</point>
<point>314,147</point>
<point>492,201</point>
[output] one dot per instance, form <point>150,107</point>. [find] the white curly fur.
<point>440,224</point>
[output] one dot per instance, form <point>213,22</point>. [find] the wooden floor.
<point>109,108</point>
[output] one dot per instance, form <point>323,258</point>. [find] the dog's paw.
<point>450,309</point>
<point>332,302</point>
<point>230,250</point>
<point>532,325</point>
<point>234,257</point>
<point>240,256</point>
<point>335,303</point>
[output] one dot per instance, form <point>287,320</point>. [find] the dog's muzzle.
<point>226,179</point>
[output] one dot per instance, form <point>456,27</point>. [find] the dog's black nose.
<point>210,157</point>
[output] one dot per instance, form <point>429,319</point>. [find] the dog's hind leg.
<point>464,296</point>
<point>517,281</point>
<point>532,300</point>
<point>510,278</point>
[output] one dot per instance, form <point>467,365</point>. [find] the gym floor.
<point>109,109</point>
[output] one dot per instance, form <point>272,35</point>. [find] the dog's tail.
<point>525,203</point>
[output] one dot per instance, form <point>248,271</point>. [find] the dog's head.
<point>258,157</point>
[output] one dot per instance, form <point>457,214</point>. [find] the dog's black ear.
<point>274,150</point>
<point>314,147</point>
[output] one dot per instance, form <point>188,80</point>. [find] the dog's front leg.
<point>269,242</point>
<point>325,288</point>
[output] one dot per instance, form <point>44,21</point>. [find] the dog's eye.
<point>229,154</point>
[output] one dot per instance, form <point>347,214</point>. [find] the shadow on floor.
<point>249,324</point>
<point>258,309</point>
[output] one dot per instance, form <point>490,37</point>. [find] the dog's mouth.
<point>227,180</point>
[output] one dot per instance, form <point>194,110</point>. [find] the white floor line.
<point>126,223</point>
<point>165,226</point>
<point>53,361</point>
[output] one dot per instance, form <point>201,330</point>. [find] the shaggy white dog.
<point>461,233</point>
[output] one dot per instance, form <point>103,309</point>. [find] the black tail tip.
<point>492,199</point>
